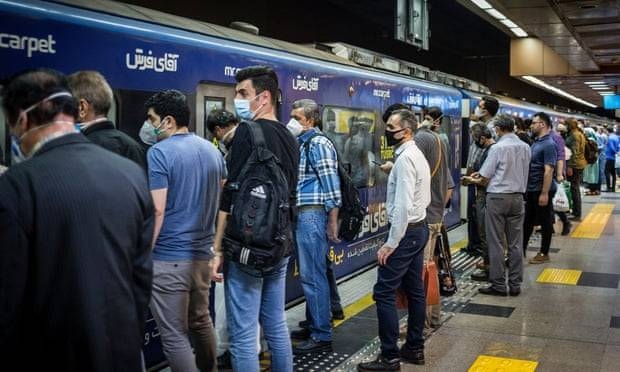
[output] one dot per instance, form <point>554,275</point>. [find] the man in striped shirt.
<point>318,201</point>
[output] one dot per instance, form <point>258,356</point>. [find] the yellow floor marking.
<point>458,246</point>
<point>356,308</point>
<point>593,225</point>
<point>559,276</point>
<point>486,363</point>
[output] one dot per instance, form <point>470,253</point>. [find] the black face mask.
<point>389,136</point>
<point>479,144</point>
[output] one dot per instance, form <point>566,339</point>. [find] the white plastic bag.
<point>560,200</point>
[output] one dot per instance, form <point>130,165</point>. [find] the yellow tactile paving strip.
<point>593,225</point>
<point>355,308</point>
<point>559,276</point>
<point>486,363</point>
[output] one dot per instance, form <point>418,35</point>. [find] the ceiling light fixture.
<point>595,82</point>
<point>519,32</point>
<point>482,4</point>
<point>495,14</point>
<point>556,90</point>
<point>509,23</point>
<point>606,93</point>
<point>600,87</point>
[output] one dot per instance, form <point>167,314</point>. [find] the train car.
<point>141,51</point>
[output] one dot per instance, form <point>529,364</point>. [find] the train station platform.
<point>567,317</point>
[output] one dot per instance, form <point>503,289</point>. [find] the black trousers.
<point>610,174</point>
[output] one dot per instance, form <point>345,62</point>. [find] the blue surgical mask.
<point>242,107</point>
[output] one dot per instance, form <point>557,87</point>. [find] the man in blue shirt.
<point>611,149</point>
<point>540,187</point>
<point>318,202</point>
<point>185,177</point>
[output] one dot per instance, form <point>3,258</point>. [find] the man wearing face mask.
<point>95,98</point>
<point>252,294</point>
<point>76,224</point>
<point>222,125</point>
<point>401,257</point>
<point>185,177</point>
<point>318,202</point>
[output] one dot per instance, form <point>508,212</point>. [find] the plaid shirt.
<point>318,183</point>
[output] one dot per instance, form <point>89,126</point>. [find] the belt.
<point>416,224</point>
<point>314,207</point>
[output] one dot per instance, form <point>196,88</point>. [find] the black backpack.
<point>591,151</point>
<point>351,213</point>
<point>258,232</point>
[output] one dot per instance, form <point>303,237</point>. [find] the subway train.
<point>141,51</point>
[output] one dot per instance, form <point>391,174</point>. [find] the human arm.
<point>218,259</point>
<point>404,182</point>
<point>159,201</point>
<point>543,199</point>
<point>323,159</point>
<point>142,261</point>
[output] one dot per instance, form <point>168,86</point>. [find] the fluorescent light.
<point>595,82</point>
<point>519,32</point>
<point>509,23</point>
<point>482,4</point>
<point>556,90</point>
<point>495,14</point>
<point>606,93</point>
<point>601,87</point>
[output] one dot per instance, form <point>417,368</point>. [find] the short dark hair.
<point>491,104</point>
<point>505,122</point>
<point>394,107</point>
<point>407,119</point>
<point>478,130</point>
<point>170,103</point>
<point>521,124</point>
<point>29,87</point>
<point>263,78</point>
<point>544,117</point>
<point>434,112</point>
<point>220,118</point>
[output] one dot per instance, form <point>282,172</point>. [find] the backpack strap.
<point>256,132</point>
<point>307,148</point>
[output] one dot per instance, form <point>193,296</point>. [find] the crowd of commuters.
<point>94,229</point>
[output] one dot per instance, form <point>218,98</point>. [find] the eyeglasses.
<point>537,122</point>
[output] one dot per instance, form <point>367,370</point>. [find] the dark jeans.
<point>536,215</point>
<point>473,236</point>
<point>610,175</point>
<point>403,269</point>
<point>334,296</point>
<point>575,182</point>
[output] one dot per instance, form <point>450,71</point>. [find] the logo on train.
<point>140,61</point>
<point>303,83</point>
<point>231,71</point>
<point>30,44</point>
<point>381,93</point>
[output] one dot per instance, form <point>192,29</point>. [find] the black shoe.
<point>515,292</point>
<point>312,346</point>
<point>301,334</point>
<point>338,315</point>
<point>412,356</point>
<point>304,324</point>
<point>566,228</point>
<point>380,364</point>
<point>223,361</point>
<point>480,275</point>
<point>575,218</point>
<point>491,291</point>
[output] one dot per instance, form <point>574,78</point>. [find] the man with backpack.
<point>254,239</point>
<point>318,201</point>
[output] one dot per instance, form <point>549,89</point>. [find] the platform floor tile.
<point>559,276</point>
<point>487,363</point>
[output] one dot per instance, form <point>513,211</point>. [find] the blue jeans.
<point>403,269</point>
<point>253,296</point>
<point>312,249</point>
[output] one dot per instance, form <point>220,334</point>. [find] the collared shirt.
<point>318,183</point>
<point>506,165</point>
<point>543,153</point>
<point>612,147</point>
<point>410,179</point>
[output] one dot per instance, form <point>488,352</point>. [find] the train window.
<point>209,97</point>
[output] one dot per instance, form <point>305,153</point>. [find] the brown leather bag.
<point>431,287</point>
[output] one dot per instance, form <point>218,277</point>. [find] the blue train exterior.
<point>139,58</point>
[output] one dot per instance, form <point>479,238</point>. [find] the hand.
<point>569,172</point>
<point>560,178</point>
<point>386,167</point>
<point>216,269</point>
<point>475,175</point>
<point>384,253</point>
<point>466,180</point>
<point>543,199</point>
<point>332,231</point>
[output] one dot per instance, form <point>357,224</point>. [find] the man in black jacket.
<point>95,98</point>
<point>76,224</point>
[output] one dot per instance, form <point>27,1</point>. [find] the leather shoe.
<point>480,275</point>
<point>380,364</point>
<point>566,228</point>
<point>311,346</point>
<point>338,315</point>
<point>412,356</point>
<point>301,334</point>
<point>223,361</point>
<point>514,292</point>
<point>491,291</point>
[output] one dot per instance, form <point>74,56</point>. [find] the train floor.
<point>567,317</point>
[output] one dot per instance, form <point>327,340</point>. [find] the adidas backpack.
<point>351,213</point>
<point>258,232</point>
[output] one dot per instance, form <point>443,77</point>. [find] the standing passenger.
<point>576,142</point>
<point>401,258</point>
<point>254,295</point>
<point>76,224</point>
<point>185,176</point>
<point>611,149</point>
<point>222,125</point>
<point>95,99</point>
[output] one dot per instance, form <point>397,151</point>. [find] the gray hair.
<point>92,87</point>
<point>505,122</point>
<point>479,130</point>
<point>311,110</point>
<point>407,119</point>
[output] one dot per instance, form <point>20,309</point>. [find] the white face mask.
<point>479,112</point>
<point>148,133</point>
<point>426,123</point>
<point>294,127</point>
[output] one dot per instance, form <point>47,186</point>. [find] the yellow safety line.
<point>487,363</point>
<point>593,225</point>
<point>458,246</point>
<point>559,276</point>
<point>356,308</point>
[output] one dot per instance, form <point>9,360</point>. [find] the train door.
<point>5,143</point>
<point>209,97</point>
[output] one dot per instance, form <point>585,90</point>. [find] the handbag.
<point>560,200</point>
<point>431,289</point>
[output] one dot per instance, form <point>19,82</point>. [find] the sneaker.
<point>566,228</point>
<point>491,291</point>
<point>540,258</point>
<point>380,364</point>
<point>312,346</point>
<point>223,361</point>
<point>338,315</point>
<point>480,276</point>
<point>412,355</point>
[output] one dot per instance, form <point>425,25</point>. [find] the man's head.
<point>307,113</point>
<point>167,112</point>
<point>400,127</point>
<point>504,124</point>
<point>93,93</point>
<point>481,135</point>
<point>571,124</point>
<point>541,124</point>
<point>391,109</point>
<point>256,93</point>
<point>220,122</point>
<point>487,108</point>
<point>432,118</point>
